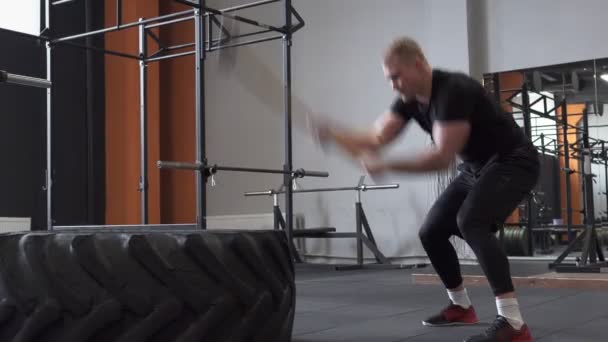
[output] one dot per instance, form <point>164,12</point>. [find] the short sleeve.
<point>401,108</point>
<point>457,101</point>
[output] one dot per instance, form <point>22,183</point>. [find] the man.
<point>499,168</point>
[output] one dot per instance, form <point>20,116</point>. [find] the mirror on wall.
<point>562,109</point>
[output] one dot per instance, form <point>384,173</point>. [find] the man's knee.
<point>472,223</point>
<point>431,231</point>
<point>468,222</point>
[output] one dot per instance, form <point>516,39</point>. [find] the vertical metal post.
<point>288,136</point>
<point>201,177</point>
<point>605,157</point>
<point>119,13</point>
<point>542,144</point>
<point>496,88</point>
<point>49,160</point>
<point>529,202</point>
<point>143,122</point>
<point>209,32</point>
<point>567,169</point>
<point>277,211</point>
<point>590,245</point>
<point>359,223</point>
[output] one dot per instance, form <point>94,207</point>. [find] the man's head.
<point>406,67</point>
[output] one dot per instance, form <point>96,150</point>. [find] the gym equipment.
<point>363,233</point>
<point>514,240</point>
<point>204,19</point>
<point>592,257</point>
<point>146,285</point>
<point>543,82</point>
<point>210,170</point>
<point>585,149</point>
<point>5,77</point>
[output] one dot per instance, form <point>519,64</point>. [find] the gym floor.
<point>386,305</point>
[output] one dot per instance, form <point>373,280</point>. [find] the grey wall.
<point>336,71</point>
<point>525,33</point>
<point>598,128</point>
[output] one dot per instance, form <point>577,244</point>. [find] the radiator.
<point>241,222</point>
<point>14,224</point>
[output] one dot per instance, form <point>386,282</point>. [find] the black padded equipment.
<point>145,285</point>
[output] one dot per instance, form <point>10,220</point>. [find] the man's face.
<point>404,77</point>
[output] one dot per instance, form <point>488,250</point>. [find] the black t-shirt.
<point>456,96</point>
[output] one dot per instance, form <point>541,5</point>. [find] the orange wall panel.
<point>171,118</point>
<point>123,204</point>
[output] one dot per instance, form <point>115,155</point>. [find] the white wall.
<point>21,15</point>
<point>599,187</point>
<point>525,33</point>
<point>337,71</point>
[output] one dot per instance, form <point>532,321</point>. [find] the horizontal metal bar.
<point>328,236</point>
<point>179,165</point>
<point>215,168</point>
<point>380,187</point>
<point>350,188</point>
<point>261,193</point>
<point>253,4</point>
<point>175,55</point>
<point>298,173</point>
<point>8,78</point>
<point>125,26</point>
<point>245,43</point>
<point>169,22</point>
<point>61,2</point>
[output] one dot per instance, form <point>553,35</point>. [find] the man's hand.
<point>356,142</point>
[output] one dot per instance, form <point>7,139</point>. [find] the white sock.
<point>460,298</point>
<point>509,309</point>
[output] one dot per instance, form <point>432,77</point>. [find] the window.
<point>20,15</point>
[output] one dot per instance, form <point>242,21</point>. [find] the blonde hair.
<point>405,49</point>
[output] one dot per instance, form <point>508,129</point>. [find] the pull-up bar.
<point>8,78</point>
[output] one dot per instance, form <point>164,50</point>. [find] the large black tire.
<point>146,285</point>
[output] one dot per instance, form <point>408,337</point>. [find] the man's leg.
<point>497,192</point>
<point>435,233</point>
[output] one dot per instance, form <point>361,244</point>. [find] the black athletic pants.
<point>471,206</point>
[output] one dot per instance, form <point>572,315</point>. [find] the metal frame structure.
<point>363,232</point>
<point>205,22</point>
<point>587,150</point>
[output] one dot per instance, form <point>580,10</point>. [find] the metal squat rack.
<point>585,149</point>
<point>205,23</point>
<point>363,232</point>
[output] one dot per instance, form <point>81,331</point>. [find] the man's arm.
<point>450,138</point>
<point>386,128</point>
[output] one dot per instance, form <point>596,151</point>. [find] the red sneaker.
<point>502,331</point>
<point>452,315</point>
